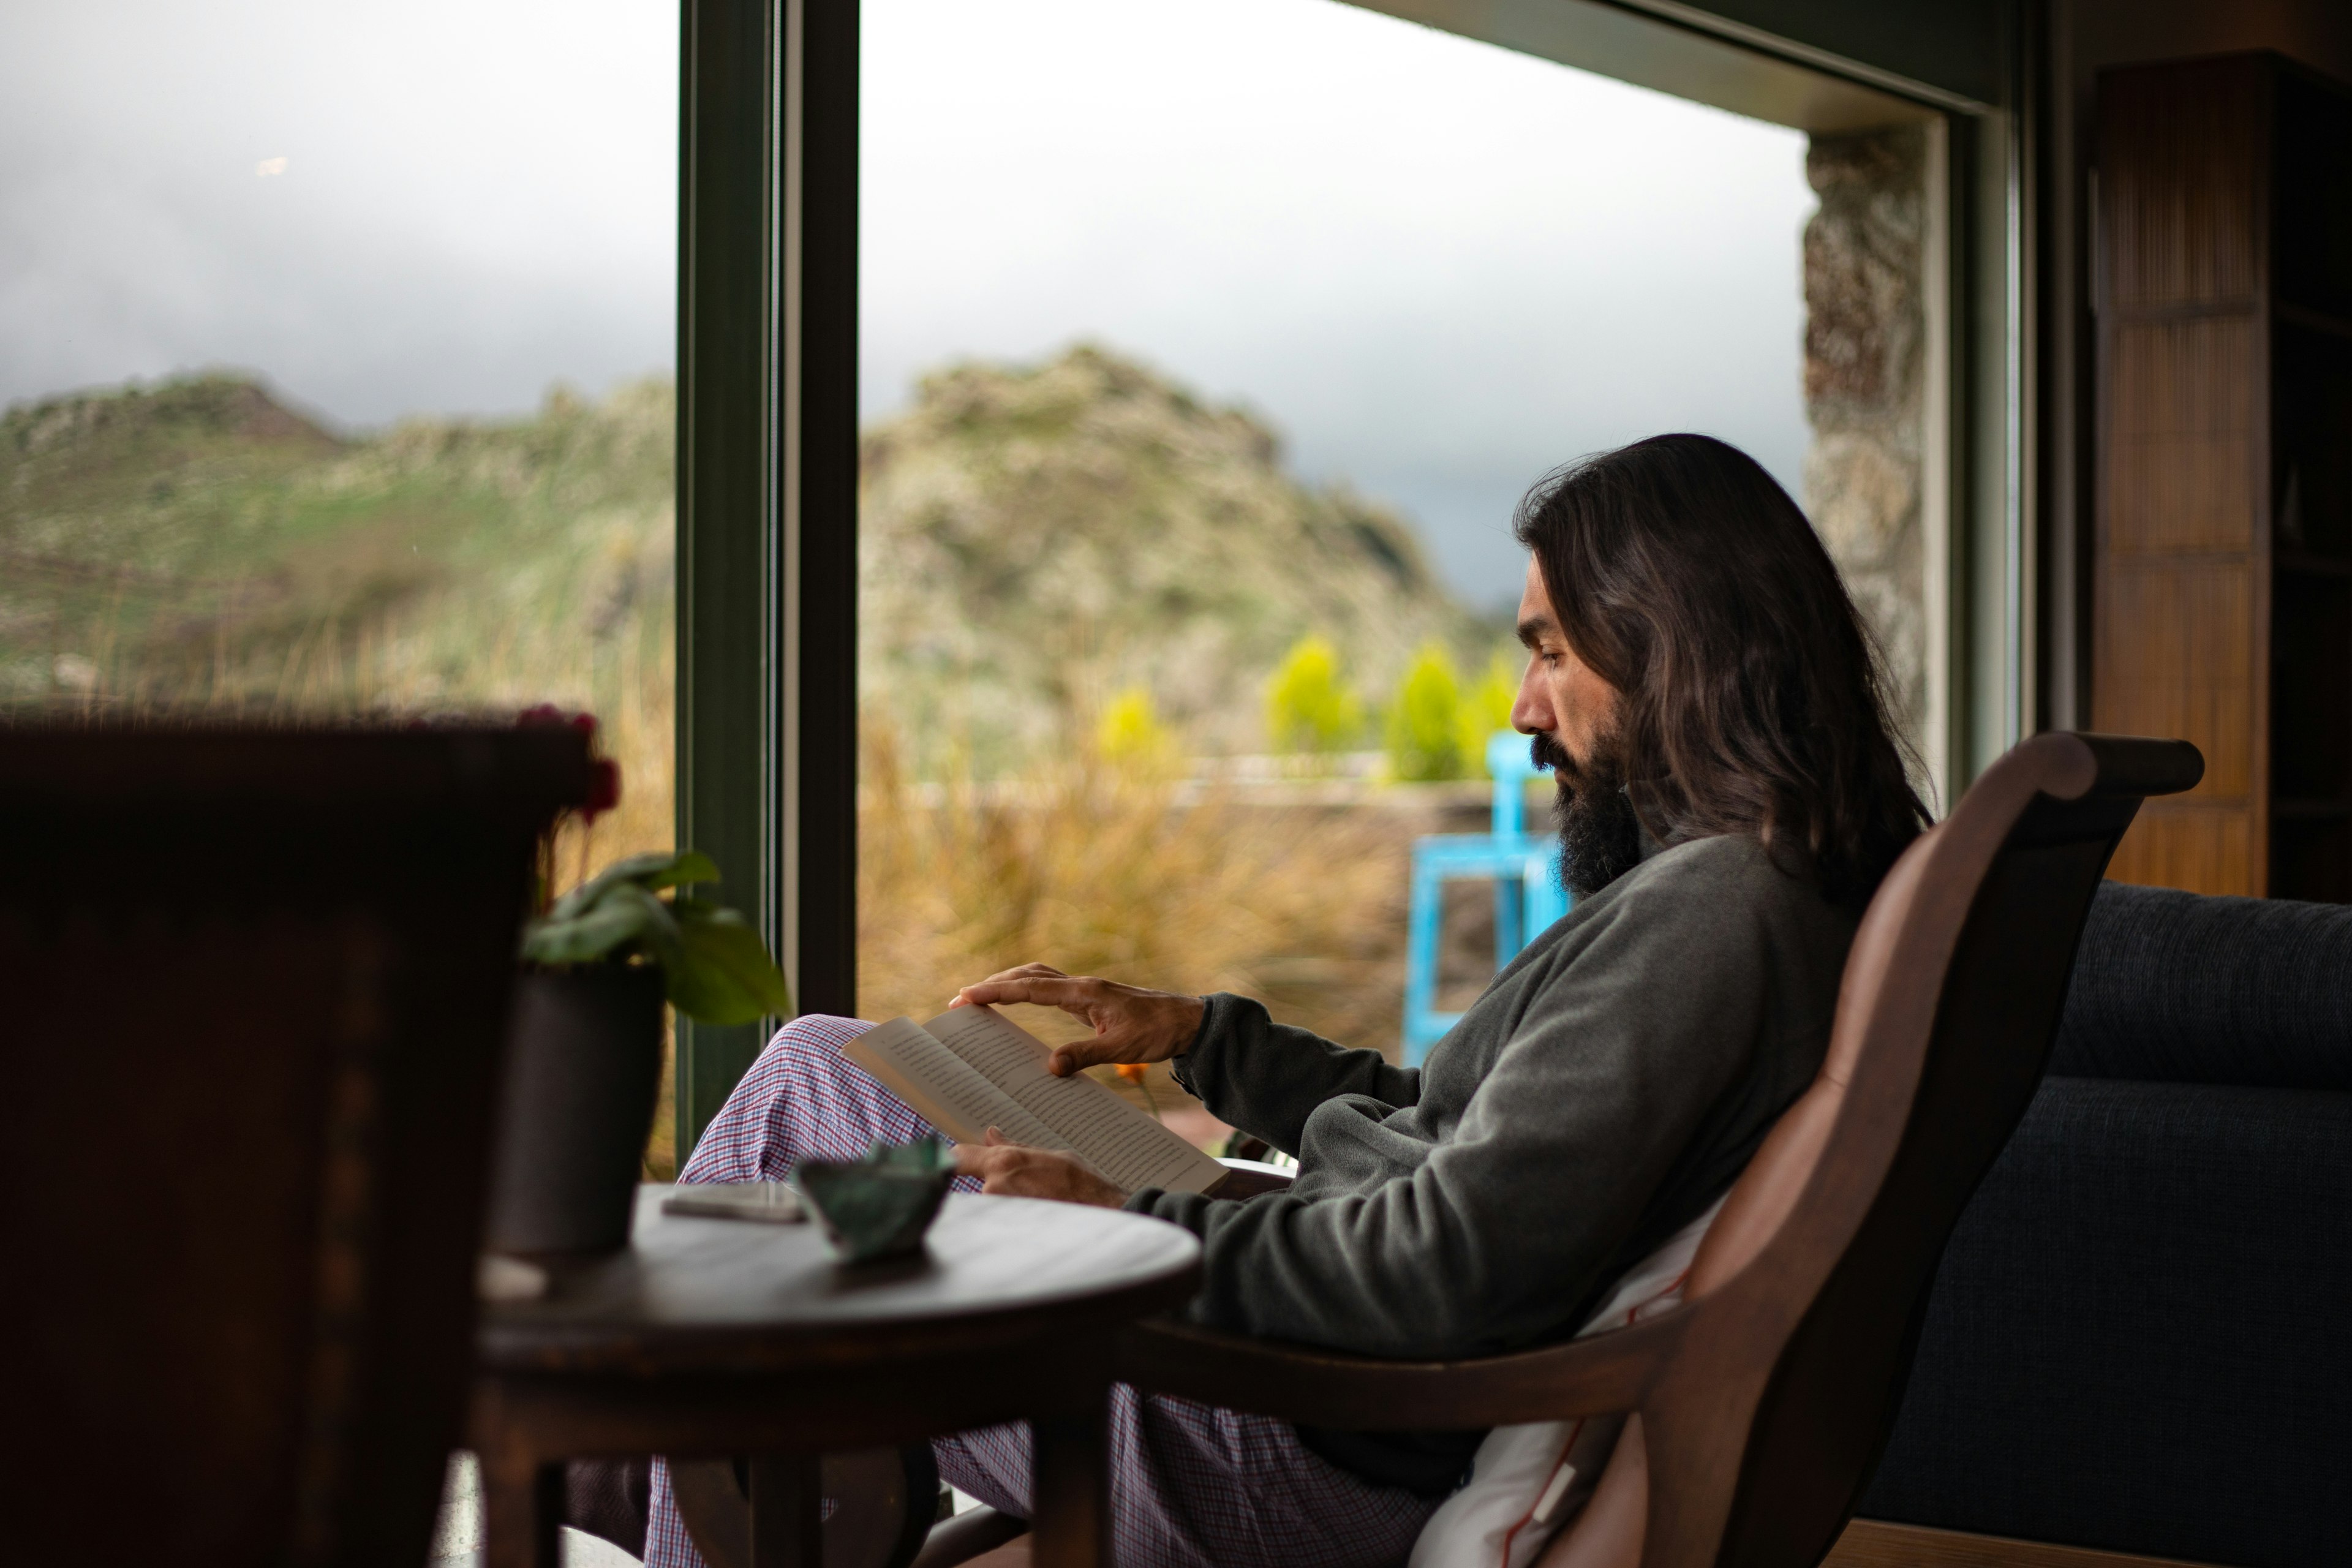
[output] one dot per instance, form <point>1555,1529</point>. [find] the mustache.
<point>1547,754</point>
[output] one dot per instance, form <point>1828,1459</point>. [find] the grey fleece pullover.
<point>1608,1086</point>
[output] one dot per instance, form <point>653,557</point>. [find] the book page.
<point>944,1090</point>
<point>1121,1142</point>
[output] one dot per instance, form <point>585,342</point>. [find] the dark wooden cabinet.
<point>2222,582</point>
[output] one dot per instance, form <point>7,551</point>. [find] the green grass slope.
<point>200,543</point>
<point>1033,539</point>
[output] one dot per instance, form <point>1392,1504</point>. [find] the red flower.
<point>603,788</point>
<point>546,715</point>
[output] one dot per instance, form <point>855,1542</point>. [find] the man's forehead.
<point>1536,619</point>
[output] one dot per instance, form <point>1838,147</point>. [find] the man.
<point>1729,794</point>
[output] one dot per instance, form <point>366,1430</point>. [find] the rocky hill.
<point>1034,540</point>
<point>200,541</point>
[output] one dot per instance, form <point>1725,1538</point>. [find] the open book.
<point>972,1069</point>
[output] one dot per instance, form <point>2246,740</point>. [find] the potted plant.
<point>584,1053</point>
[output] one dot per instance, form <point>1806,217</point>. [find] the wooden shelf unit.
<point>2222,562</point>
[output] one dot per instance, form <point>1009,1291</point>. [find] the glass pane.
<point>338,345</point>
<point>1207,345</point>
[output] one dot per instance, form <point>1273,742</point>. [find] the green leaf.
<point>625,920</point>
<point>583,938</point>
<point>662,938</point>
<point>648,872</point>
<point>591,892</point>
<point>713,964</point>
<point>725,976</point>
<point>691,865</point>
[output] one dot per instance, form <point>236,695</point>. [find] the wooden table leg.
<point>522,1514</point>
<point>787,1512</point>
<point>1071,1505</point>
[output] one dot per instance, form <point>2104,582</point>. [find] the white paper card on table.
<point>770,1201</point>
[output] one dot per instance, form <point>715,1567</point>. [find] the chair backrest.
<point>253,989</point>
<point>1806,1297</point>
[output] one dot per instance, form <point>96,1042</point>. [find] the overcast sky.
<point>1437,267</point>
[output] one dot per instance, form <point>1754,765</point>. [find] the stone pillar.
<point>1865,384</point>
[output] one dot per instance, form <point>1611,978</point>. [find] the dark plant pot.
<point>584,1064</point>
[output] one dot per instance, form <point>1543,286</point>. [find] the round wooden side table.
<point>709,1338</point>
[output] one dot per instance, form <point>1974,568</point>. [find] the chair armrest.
<point>1247,1178</point>
<point>1602,1375</point>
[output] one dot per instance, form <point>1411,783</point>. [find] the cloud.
<point>1439,267</point>
<point>474,200</point>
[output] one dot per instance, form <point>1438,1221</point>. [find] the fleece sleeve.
<point>1268,1078</point>
<point>1484,1241</point>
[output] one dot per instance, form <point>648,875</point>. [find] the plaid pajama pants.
<point>1191,1486</point>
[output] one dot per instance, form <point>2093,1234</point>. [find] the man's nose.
<point>1531,709</point>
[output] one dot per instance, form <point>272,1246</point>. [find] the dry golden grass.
<point>1094,866</point>
<point>1097,869</point>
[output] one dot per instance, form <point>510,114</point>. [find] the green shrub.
<point>1308,708</point>
<point>1130,734</point>
<point>1424,720</point>
<point>1486,708</point>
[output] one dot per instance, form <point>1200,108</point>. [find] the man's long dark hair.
<point>1752,699</point>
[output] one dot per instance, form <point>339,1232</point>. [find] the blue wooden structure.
<point>1524,868</point>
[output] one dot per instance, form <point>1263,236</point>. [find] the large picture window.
<point>1204,351</point>
<point>337,369</point>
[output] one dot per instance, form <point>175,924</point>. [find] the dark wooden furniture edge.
<point>520,1349</point>
<point>549,1392</point>
<point>299,937</point>
<point>1601,1375</point>
<point>469,764</point>
<point>968,1535</point>
<point>1878,1543</point>
<point>715,1417</point>
<point>1247,1178</point>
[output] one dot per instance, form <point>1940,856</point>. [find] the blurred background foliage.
<point>1135,699</point>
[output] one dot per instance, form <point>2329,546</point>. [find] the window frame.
<point>766,498</point>
<point>767,432</point>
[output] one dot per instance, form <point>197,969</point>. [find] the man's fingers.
<point>1041,991</point>
<point>965,997</point>
<point>993,1137</point>
<point>1025,971</point>
<point>1068,1059</point>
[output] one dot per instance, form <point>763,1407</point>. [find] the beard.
<point>1599,832</point>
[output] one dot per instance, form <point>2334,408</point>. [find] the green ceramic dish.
<point>878,1207</point>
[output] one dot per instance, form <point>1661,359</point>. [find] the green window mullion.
<point>767,461</point>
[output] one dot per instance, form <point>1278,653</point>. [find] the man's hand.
<point>1020,1173</point>
<point>1131,1025</point>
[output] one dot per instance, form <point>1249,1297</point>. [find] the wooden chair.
<point>1754,1413</point>
<point>252,992</point>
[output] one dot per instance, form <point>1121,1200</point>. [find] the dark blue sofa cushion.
<point>2178,988</point>
<point>2137,1337</point>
